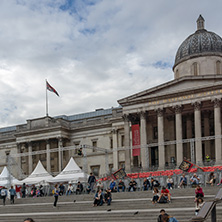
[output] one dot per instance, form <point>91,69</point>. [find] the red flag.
<point>51,89</point>
<point>136,139</point>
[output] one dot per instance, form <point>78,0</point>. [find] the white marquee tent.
<point>38,176</point>
<point>6,179</point>
<point>71,173</point>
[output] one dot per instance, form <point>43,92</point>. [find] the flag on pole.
<point>50,88</point>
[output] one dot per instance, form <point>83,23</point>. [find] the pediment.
<point>176,87</point>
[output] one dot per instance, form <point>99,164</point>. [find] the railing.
<point>209,208</point>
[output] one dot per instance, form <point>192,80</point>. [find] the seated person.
<point>108,197</point>
<point>154,183</point>
<point>194,179</point>
<point>113,185</point>
<point>169,182</point>
<point>211,179</point>
<point>156,195</point>
<point>121,186</point>
<point>167,218</point>
<point>99,185</point>
<point>88,189</point>
<point>79,152</point>
<point>183,181</point>
<point>199,203</point>
<point>162,212</point>
<point>79,188</point>
<point>165,195</point>
<point>61,189</point>
<point>146,184</point>
<point>69,189</point>
<point>199,192</point>
<point>132,185</point>
<point>99,198</point>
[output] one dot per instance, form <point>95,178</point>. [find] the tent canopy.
<point>38,176</point>
<point>6,179</point>
<point>71,173</point>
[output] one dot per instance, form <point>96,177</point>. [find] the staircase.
<point>125,207</point>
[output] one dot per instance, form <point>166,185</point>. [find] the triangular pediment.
<point>176,87</point>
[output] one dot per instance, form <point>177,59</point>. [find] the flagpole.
<point>47,113</point>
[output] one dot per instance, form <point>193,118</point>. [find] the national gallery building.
<point>153,129</point>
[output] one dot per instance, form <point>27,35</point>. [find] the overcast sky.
<point>92,52</point>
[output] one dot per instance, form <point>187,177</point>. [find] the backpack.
<point>163,200</point>
<point>3,193</point>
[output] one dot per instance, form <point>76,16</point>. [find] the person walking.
<point>91,181</point>
<point>4,194</point>
<point>56,195</point>
<point>12,195</point>
<point>23,190</point>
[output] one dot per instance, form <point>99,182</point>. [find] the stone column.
<point>48,158</point>
<point>207,132</point>
<point>30,157</point>
<point>161,147</point>
<point>189,135</point>
<point>60,154</point>
<point>19,159</point>
<point>197,126</point>
<point>127,143</point>
<point>143,141</point>
<point>115,151</point>
<point>217,126</point>
<point>179,136</point>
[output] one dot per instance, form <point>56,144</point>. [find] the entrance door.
<point>154,156</point>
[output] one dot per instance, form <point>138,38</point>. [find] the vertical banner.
<point>136,139</point>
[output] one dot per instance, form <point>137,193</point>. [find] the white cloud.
<point>92,52</point>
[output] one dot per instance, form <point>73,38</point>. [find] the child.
<point>199,203</point>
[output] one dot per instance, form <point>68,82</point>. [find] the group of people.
<point>163,197</point>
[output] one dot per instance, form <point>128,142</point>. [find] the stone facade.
<point>178,119</point>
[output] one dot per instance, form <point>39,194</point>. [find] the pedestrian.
<point>23,190</point>
<point>29,220</point>
<point>56,195</point>
<point>12,195</point>
<point>4,194</point>
<point>91,181</point>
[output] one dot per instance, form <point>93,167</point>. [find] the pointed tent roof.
<point>6,179</point>
<point>71,172</point>
<point>39,175</point>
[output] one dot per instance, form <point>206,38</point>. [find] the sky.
<point>93,52</point>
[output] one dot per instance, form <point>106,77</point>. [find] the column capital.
<point>178,109</point>
<point>114,131</point>
<point>125,118</point>
<point>143,114</point>
<point>217,102</point>
<point>160,112</point>
<point>197,105</point>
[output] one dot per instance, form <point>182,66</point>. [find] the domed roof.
<point>201,43</point>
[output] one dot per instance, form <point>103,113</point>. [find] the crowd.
<point>161,194</point>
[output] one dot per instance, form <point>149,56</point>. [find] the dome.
<point>201,43</point>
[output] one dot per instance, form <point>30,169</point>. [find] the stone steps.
<point>123,207</point>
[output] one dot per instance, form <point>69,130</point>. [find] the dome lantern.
<point>200,23</point>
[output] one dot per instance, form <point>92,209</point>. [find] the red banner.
<point>136,139</point>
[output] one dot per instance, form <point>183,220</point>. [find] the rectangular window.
<point>111,143</point>
<point>122,140</point>
<point>155,133</point>
<point>94,145</point>
<point>95,170</point>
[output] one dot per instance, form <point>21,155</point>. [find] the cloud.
<point>92,52</point>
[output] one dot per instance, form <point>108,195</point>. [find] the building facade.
<point>176,120</point>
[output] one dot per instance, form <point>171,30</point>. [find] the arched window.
<point>218,67</point>
<point>194,69</point>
